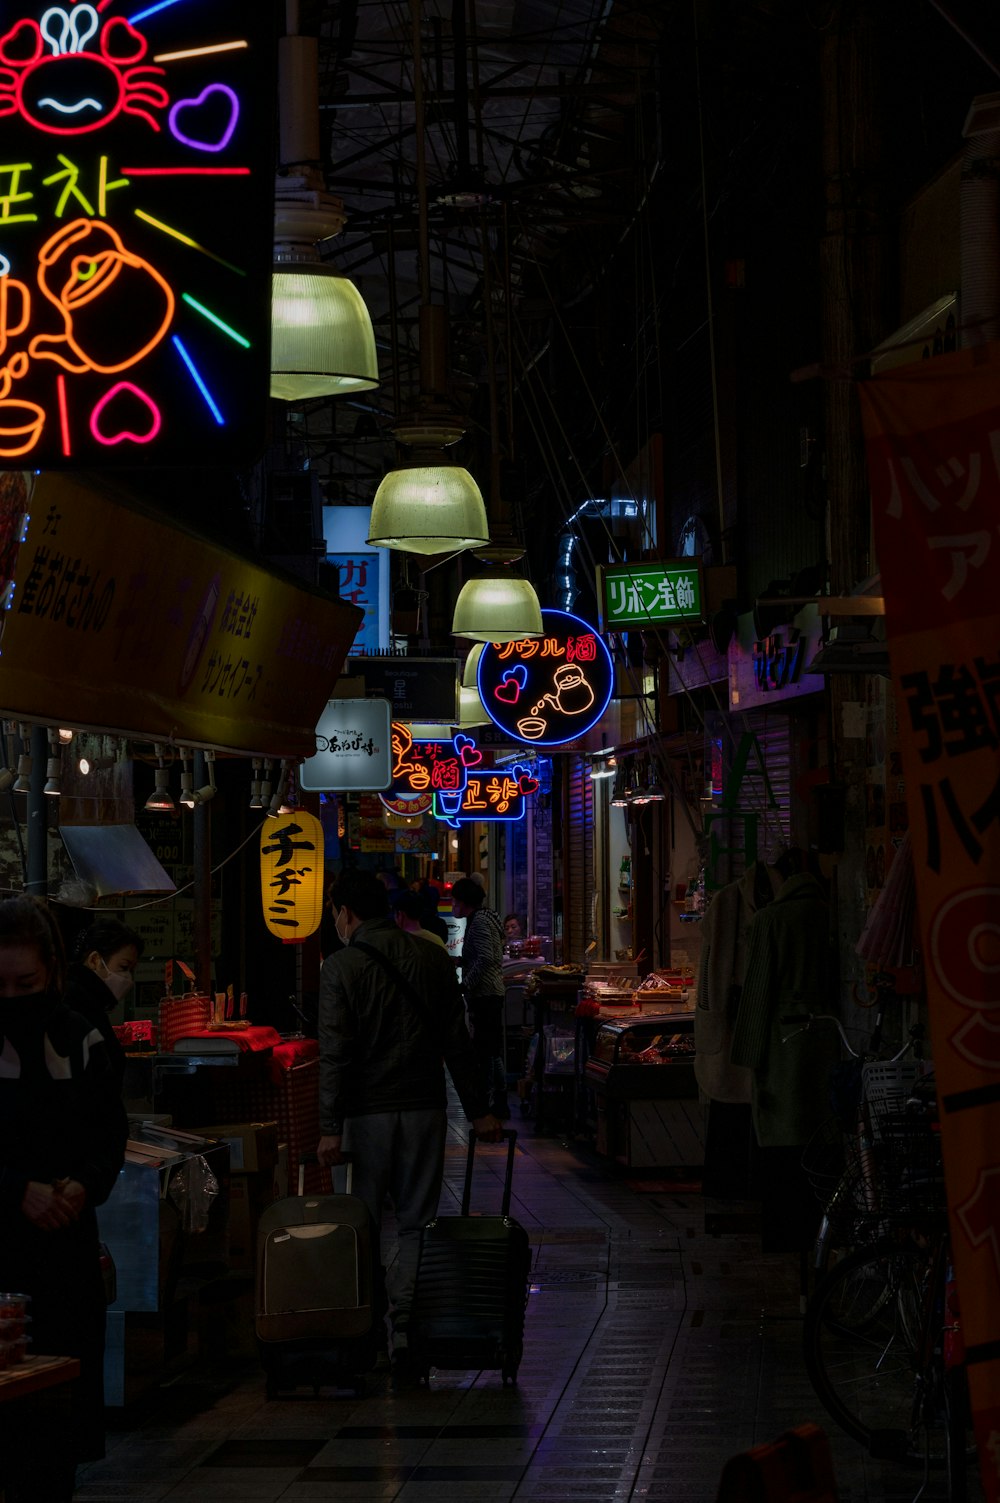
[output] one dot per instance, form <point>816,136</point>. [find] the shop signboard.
<point>551,689</point>
<point>934,463</point>
<point>136,197</point>
<point>352,748</point>
<point>422,768</point>
<point>654,593</point>
<point>214,650</point>
<point>763,671</point>
<point>491,794</point>
<point>362,572</point>
<point>424,690</point>
<point>291,874</point>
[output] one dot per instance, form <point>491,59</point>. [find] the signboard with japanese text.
<point>422,769</point>
<point>362,572</point>
<point>215,650</point>
<point>291,874</point>
<point>661,592</point>
<point>136,200</point>
<point>491,794</point>
<point>551,689</point>
<point>933,437</point>
<point>420,689</point>
<point>352,748</point>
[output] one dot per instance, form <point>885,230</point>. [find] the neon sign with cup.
<point>135,236</point>
<point>551,689</point>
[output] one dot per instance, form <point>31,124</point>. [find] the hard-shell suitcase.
<point>316,1305</point>
<point>472,1286</point>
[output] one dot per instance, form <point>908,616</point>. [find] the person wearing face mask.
<point>62,1144</point>
<point>101,976</point>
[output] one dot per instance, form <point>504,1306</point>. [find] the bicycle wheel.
<point>861,1331</point>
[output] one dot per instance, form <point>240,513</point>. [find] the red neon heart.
<point>470,754</point>
<point>118,435</point>
<point>509,691</point>
<point>527,785</point>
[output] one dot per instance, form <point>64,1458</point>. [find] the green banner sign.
<point>662,592</point>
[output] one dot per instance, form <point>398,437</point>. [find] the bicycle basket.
<point>890,1081</point>
<point>898,1170</point>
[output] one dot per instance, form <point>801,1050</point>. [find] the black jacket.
<point>88,995</point>
<point>380,1051</point>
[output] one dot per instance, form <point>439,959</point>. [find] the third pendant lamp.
<point>497,607</point>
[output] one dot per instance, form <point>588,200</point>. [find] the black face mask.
<point>22,1014</point>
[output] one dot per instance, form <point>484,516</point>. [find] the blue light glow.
<point>151,10</point>
<point>197,379</point>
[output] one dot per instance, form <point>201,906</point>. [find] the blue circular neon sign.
<point>551,689</point>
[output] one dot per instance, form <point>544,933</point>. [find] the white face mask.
<point>119,983</point>
<point>344,938</point>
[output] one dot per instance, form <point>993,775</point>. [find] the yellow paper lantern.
<point>291,875</point>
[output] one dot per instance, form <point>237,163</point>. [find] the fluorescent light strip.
<point>173,57</point>
<point>214,318</point>
<point>186,240</point>
<point>187,171</point>
<point>197,379</point>
<point>151,10</point>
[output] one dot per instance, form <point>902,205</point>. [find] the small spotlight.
<point>53,777</point>
<point>23,781</point>
<point>256,801</point>
<point>161,800</point>
<point>65,736</point>
<point>87,765</point>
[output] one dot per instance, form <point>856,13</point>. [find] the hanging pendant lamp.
<point>429,509</point>
<point>322,343</point>
<point>471,710</point>
<point>497,608</point>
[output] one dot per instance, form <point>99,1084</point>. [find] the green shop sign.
<point>664,592</point>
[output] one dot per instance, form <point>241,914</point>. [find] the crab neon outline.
<point>23,56</point>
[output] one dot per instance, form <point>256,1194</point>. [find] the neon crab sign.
<point>59,85</point>
<point>135,229</point>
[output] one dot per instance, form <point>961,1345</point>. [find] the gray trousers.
<point>399,1155</point>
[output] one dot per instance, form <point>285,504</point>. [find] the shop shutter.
<point>773,729</point>
<point>578,860</point>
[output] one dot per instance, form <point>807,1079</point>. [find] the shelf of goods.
<point>641,1072</point>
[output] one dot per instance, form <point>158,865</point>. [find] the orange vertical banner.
<point>933,443</point>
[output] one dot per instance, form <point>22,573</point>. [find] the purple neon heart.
<point>186,104</point>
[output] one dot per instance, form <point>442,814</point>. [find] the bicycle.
<point>881,1336</point>
<point>841,1161</point>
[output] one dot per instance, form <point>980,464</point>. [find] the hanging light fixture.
<point>256,802</point>
<point>161,800</point>
<point>278,798</point>
<point>65,735</point>
<point>22,783</point>
<point>207,793</point>
<point>620,793</point>
<point>322,343</point>
<point>471,710</point>
<point>290,802</point>
<point>53,768</point>
<point>604,768</point>
<point>497,608</point>
<point>187,781</point>
<point>87,765</point>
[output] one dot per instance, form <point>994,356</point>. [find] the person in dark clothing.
<point>389,1012</point>
<point>429,917</point>
<point>62,1144</point>
<point>100,976</point>
<point>482,982</point>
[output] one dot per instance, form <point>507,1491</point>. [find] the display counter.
<point>640,1074</point>
<point>165,1221</point>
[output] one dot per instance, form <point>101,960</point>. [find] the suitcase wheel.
<point>509,1375</point>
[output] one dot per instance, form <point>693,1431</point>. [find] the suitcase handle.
<point>509,1134</point>
<point>346,1159</point>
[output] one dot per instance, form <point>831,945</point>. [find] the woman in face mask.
<point>62,1144</point>
<point>100,977</point>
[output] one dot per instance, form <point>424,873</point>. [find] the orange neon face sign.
<point>135,232</point>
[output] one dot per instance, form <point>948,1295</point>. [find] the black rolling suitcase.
<point>316,1319</point>
<point>472,1286</point>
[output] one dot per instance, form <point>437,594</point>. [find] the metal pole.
<point>202,889</point>
<point>38,815</point>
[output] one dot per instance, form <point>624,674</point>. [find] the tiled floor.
<point>654,1351</point>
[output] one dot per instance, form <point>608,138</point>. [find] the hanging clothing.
<point>724,932</point>
<point>789,964</point>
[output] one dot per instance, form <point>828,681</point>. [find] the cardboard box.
<point>253,1146</point>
